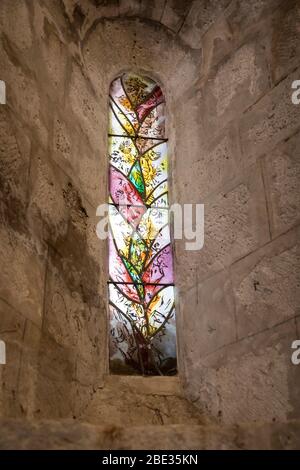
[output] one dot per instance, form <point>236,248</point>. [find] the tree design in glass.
<point>141,290</point>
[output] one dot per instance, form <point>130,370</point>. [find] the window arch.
<point>141,284</point>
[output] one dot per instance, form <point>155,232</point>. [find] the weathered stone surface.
<point>217,44</point>
<point>162,386</point>
<point>235,224</point>
<point>235,84</point>
<point>121,402</point>
<point>18,375</point>
<point>219,162</point>
<point>11,332</point>
<point>22,92</point>
<point>298,327</point>
<point>282,177</point>
<point>130,8</point>
<point>153,11</point>
<point>47,211</point>
<point>55,59</point>
<point>271,120</point>
<point>240,23</point>
<point>209,332</point>
<point>175,13</point>
<point>22,274</point>
<point>62,143</point>
<point>56,372</point>
<point>250,380</point>
<point>28,373</point>
<point>266,286</point>
<point>73,153</point>
<point>82,14</point>
<point>85,105</point>
<point>13,163</point>
<point>65,434</point>
<point>200,17</point>
<point>73,314</point>
<point>189,110</point>
<point>63,16</point>
<point>15,18</point>
<point>248,18</point>
<point>14,168</point>
<point>175,59</point>
<point>285,39</point>
<point>65,382</point>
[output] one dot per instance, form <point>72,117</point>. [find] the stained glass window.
<point>141,289</point>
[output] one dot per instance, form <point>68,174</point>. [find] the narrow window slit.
<point>141,280</point>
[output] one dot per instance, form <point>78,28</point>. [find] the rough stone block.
<point>298,327</point>
<point>266,286</point>
<point>88,155</point>
<point>186,143</point>
<point>62,143</point>
<point>14,167</point>
<point>285,39</point>
<point>153,10</point>
<point>48,213</point>
<point>15,23</point>
<point>73,153</point>
<point>56,60</point>
<point>81,396</point>
<point>13,162</point>
<point>218,162</point>
<point>59,16</point>
<point>208,313</point>
<point>86,376</point>
<point>199,19</point>
<point>235,224</point>
<point>240,22</point>
<point>85,105</point>
<point>217,43</point>
<point>22,274</point>
<point>247,18</point>
<point>56,371</point>
<point>282,176</point>
<point>174,14</point>
<point>235,84</point>
<point>17,386</point>
<point>271,120</point>
<point>73,435</point>
<point>252,380</point>
<point>22,94</point>
<point>12,327</point>
<point>178,68</point>
<point>28,373</point>
<point>74,316</point>
<point>129,7</point>
<point>116,405</point>
<point>159,385</point>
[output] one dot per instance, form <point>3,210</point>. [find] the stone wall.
<point>58,60</point>
<point>52,313</point>
<point>226,68</point>
<point>240,294</point>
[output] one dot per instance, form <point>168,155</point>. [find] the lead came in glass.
<point>141,289</point>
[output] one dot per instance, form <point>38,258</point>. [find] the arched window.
<point>141,289</point>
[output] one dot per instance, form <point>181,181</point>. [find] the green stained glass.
<point>138,252</point>
<point>134,276</point>
<point>136,177</point>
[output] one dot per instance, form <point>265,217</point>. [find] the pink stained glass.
<point>160,268</point>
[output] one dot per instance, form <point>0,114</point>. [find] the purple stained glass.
<point>141,290</point>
